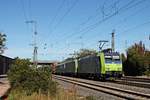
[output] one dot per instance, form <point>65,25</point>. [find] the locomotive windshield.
<point>108,59</point>
<point>116,59</point>
<point>112,58</point>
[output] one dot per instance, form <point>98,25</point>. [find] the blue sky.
<point>66,26</point>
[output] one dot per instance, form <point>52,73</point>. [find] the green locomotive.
<point>105,64</point>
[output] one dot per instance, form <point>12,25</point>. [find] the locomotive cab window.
<point>116,59</point>
<point>108,59</point>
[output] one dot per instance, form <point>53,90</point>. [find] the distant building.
<point>5,63</point>
<point>43,63</point>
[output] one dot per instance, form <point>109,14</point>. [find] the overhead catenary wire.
<point>93,16</point>
<point>30,10</point>
<point>112,8</point>
<point>63,17</point>
<point>93,26</point>
<point>97,9</point>
<point>124,8</point>
<point>26,9</point>
<point>131,15</point>
<point>132,5</point>
<point>57,12</point>
<point>132,28</point>
<point>137,26</point>
<point>77,33</point>
<point>65,14</point>
<point>23,10</point>
<point>88,28</point>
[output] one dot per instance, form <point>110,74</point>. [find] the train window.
<point>116,57</point>
<point>117,60</point>
<point>108,60</point>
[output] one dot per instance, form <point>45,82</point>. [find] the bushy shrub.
<point>137,61</point>
<point>28,79</point>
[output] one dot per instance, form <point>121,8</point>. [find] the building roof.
<point>46,61</point>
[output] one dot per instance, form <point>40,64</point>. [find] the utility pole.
<point>113,41</point>
<point>35,62</point>
<point>101,44</point>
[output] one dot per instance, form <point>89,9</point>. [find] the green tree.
<point>2,42</point>
<point>84,52</point>
<point>123,58</point>
<point>19,72</point>
<point>123,61</point>
<point>147,62</point>
<point>135,64</point>
<point>25,78</point>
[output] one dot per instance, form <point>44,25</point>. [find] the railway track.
<point>3,76</point>
<point>138,79</point>
<point>126,94</point>
<point>133,83</point>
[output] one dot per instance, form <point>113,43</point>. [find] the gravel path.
<point>4,86</point>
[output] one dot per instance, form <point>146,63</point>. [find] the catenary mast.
<point>35,53</point>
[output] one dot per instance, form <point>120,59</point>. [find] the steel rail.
<point>133,83</point>
<point>138,79</point>
<point>3,76</point>
<point>126,94</point>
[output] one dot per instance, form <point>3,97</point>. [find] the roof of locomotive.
<point>109,52</point>
<point>112,54</point>
<point>63,62</point>
<point>88,56</point>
